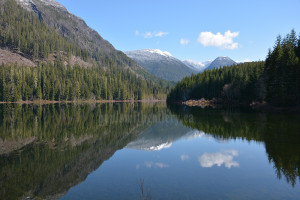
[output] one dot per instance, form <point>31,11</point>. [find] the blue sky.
<point>191,29</point>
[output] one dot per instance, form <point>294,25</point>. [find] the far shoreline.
<point>84,101</point>
<point>257,106</point>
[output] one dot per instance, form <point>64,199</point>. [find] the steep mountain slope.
<point>221,62</point>
<point>161,63</point>
<point>197,66</point>
<point>68,25</point>
<point>44,35</point>
<point>92,47</point>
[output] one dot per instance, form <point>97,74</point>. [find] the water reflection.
<point>46,150</point>
<point>150,164</point>
<point>184,157</point>
<point>210,159</point>
<point>279,133</point>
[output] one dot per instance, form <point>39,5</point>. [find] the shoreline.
<point>84,101</point>
<point>257,106</point>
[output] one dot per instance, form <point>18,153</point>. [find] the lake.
<point>147,151</point>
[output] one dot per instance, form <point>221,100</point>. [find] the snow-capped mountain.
<point>161,64</point>
<point>197,66</point>
<point>157,142</point>
<point>221,62</point>
<point>162,136</point>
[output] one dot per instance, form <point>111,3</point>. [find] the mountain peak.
<point>28,3</point>
<point>221,61</point>
<point>223,58</point>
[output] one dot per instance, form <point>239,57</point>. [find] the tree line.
<point>275,80</point>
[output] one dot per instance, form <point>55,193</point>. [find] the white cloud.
<point>137,33</point>
<point>184,41</point>
<point>184,157</point>
<point>160,34</point>
<point>243,61</point>
<point>148,35</point>
<point>218,40</point>
<point>208,160</point>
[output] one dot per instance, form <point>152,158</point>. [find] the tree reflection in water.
<point>280,133</point>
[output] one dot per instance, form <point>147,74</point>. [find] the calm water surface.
<point>111,151</point>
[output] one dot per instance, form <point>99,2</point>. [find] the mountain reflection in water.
<point>45,150</point>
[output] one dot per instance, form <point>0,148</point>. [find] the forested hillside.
<point>237,83</point>
<point>24,31</point>
<point>105,77</point>
<point>276,80</point>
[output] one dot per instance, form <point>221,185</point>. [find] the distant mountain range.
<point>163,65</point>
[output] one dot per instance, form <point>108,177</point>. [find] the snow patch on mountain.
<point>197,66</point>
<point>150,54</point>
<point>52,3</point>
<point>28,3</point>
<point>200,64</point>
<point>160,52</point>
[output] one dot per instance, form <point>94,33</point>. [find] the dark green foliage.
<point>237,83</point>
<point>57,82</point>
<point>282,72</point>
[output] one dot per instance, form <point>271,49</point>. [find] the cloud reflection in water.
<point>208,160</point>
